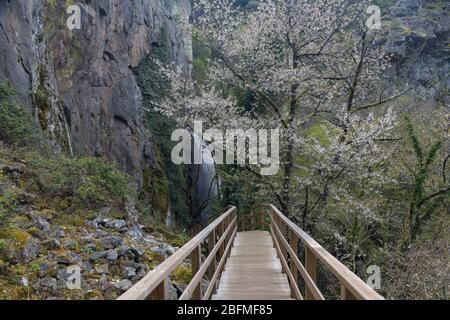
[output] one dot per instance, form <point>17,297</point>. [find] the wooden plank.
<point>253,271</point>
<point>145,287</point>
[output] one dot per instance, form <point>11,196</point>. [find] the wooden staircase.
<point>270,258</point>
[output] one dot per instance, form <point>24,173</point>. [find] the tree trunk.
<point>290,147</point>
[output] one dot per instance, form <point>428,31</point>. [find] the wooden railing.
<point>217,238</point>
<point>287,237</point>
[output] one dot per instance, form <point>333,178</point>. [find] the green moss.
<point>15,235</point>
<point>154,258</point>
<point>176,240</point>
<point>182,275</point>
<point>41,98</point>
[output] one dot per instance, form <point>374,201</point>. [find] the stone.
<point>51,284</point>
<point>111,242</point>
<point>86,266</point>
<point>110,293</point>
<point>102,268</point>
<point>58,233</point>
<point>122,250</point>
<point>119,225</point>
<point>130,264</point>
<point>52,244</point>
<point>69,244</point>
<point>134,234</point>
<point>103,283</point>
<point>160,251</point>
<point>43,269</point>
<point>37,233</point>
<point>30,250</point>
<point>137,252</point>
<point>63,275</point>
<point>42,224</point>
<point>173,293</point>
<point>169,250</point>
<point>24,282</point>
<point>99,233</point>
<point>128,273</point>
<point>124,285</point>
<point>98,255</point>
<point>25,198</point>
<point>113,255</point>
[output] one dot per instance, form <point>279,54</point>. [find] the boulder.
<point>113,255</point>
<point>111,242</point>
<point>52,244</point>
<point>119,225</point>
<point>42,224</point>
<point>124,285</point>
<point>98,255</point>
<point>102,268</point>
<point>30,250</point>
<point>69,244</point>
<point>48,284</point>
<point>123,250</point>
<point>63,275</point>
<point>86,266</point>
<point>128,273</point>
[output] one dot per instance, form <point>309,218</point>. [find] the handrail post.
<point>261,217</point>
<point>311,268</point>
<point>196,263</point>
<point>283,229</point>
<point>213,266</point>
<point>221,231</point>
<point>346,294</point>
<point>294,245</point>
<point>161,292</point>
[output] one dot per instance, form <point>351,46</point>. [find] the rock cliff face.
<point>418,34</point>
<point>80,83</point>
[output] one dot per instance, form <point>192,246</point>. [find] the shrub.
<point>17,125</point>
<point>91,181</point>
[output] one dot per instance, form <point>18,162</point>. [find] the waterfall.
<point>204,182</point>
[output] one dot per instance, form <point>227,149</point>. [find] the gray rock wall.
<point>80,83</point>
<point>418,34</point>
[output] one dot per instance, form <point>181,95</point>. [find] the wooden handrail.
<point>293,256</point>
<point>155,283</point>
<point>352,287</point>
<point>220,235</point>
